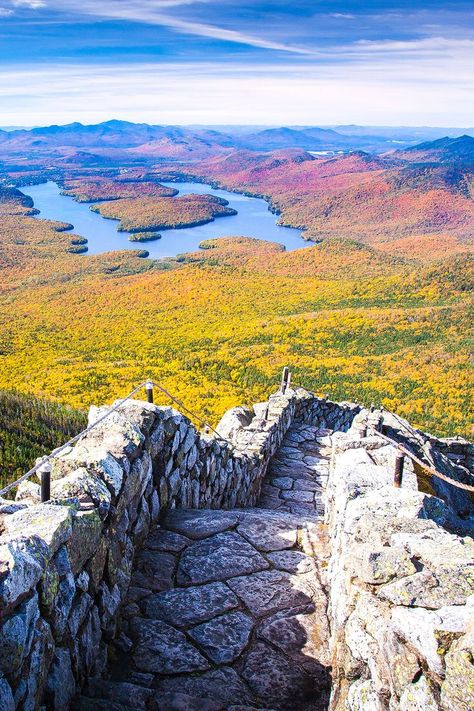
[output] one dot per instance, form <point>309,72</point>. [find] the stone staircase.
<point>227,609</point>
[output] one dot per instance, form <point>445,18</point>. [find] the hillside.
<point>459,151</point>
<point>31,427</point>
<point>366,198</point>
<point>216,332</point>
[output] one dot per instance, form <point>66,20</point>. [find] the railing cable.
<point>56,452</point>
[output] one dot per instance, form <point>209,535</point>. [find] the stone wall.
<point>400,591</point>
<point>324,413</point>
<point>401,586</point>
<point>65,566</point>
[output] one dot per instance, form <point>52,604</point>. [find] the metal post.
<point>398,476</point>
<point>45,474</point>
<point>288,382</point>
<point>265,414</point>
<point>372,407</point>
<point>149,391</point>
<point>284,380</point>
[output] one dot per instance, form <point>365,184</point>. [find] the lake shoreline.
<point>247,216</point>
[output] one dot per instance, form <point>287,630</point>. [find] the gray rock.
<point>85,538</point>
<point>93,457</point>
<point>457,692</point>
<point>119,692</point>
<point>200,524</point>
<point>274,678</point>
<point>301,497</point>
<point>29,492</point>
<point>30,690</point>
<point>6,696</point>
<point>308,485</point>
<point>85,704</point>
<point>16,635</point>
<point>222,685</point>
<point>233,422</point>
<point>363,694</point>
<point>224,638</point>
<point>58,609</point>
<point>423,630</point>
<point>82,483</point>
<point>419,696</point>
<point>89,642</point>
<point>380,566</point>
<point>271,591</point>
<point>175,701</point>
<point>60,685</point>
<point>291,561</point>
<point>268,534</point>
<point>22,563</point>
<point>82,581</point>
<point>222,556</point>
<point>160,648</point>
<point>81,607</point>
<point>118,432</point>
<point>188,606</point>
<point>304,638</point>
<point>154,570</point>
<point>7,506</point>
<point>282,482</point>
<point>109,601</point>
<point>51,524</point>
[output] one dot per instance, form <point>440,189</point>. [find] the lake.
<point>253,219</point>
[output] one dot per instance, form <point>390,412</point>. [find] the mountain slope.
<point>444,150</point>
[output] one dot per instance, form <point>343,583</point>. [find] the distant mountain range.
<point>181,141</point>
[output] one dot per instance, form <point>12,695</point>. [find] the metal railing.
<point>43,467</point>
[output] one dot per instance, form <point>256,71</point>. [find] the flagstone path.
<point>226,610</point>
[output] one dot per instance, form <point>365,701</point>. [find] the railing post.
<point>149,391</point>
<point>45,479</point>
<point>284,380</point>
<point>398,475</point>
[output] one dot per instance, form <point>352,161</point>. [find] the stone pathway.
<point>226,610</point>
<point>298,473</point>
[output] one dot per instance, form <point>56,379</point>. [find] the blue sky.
<point>203,61</point>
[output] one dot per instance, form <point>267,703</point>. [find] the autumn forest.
<point>377,309</point>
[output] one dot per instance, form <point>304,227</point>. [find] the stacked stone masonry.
<point>69,568</point>
<point>401,579</point>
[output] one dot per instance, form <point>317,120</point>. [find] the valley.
<point>375,305</point>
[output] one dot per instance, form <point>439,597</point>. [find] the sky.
<point>293,62</point>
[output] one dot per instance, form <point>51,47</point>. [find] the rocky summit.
<point>273,567</point>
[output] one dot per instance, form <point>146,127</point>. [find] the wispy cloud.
<point>5,12</point>
<point>151,12</point>
<point>342,15</point>
<point>33,4</point>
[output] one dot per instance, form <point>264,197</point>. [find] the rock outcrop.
<point>401,579</point>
